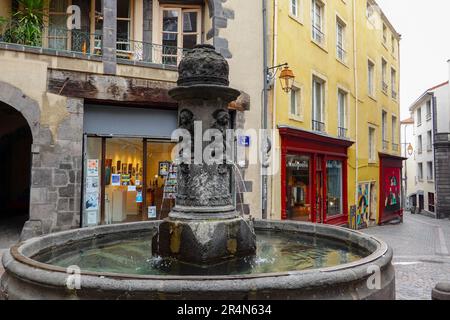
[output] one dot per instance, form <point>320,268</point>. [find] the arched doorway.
<point>15,177</point>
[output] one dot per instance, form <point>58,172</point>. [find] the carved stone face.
<point>186,118</point>
<point>222,118</point>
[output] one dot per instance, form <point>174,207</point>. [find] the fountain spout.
<point>204,227</point>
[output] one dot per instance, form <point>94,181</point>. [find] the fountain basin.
<point>27,278</point>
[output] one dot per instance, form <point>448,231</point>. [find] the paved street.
<point>421,254</point>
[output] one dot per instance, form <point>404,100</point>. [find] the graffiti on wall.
<point>363,209</point>
<point>392,189</point>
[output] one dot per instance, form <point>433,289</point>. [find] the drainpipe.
<point>355,61</point>
<point>274,95</point>
<point>264,109</point>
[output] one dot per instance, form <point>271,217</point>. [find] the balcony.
<point>342,132</point>
<point>428,116</point>
<point>80,44</point>
<point>385,145</point>
<point>395,147</point>
<point>384,87</point>
<point>318,126</point>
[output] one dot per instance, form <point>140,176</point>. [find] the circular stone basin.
<point>294,261</point>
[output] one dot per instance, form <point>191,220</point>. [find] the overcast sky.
<point>425,46</point>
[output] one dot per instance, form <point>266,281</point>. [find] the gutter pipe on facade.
<point>274,101</point>
<point>264,109</point>
<point>355,70</point>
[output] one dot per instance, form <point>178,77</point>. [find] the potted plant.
<point>25,26</point>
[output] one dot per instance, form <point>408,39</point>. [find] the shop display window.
<point>298,187</point>
<point>334,188</point>
<point>139,180</point>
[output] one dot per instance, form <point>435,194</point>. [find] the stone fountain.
<point>204,226</point>
<point>204,250</point>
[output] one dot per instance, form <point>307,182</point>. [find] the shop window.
<point>298,187</point>
<point>139,180</point>
<point>334,188</point>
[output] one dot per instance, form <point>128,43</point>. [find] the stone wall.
<point>56,180</point>
<point>442,172</point>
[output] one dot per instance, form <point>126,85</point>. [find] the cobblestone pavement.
<point>421,254</point>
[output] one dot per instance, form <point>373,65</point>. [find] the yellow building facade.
<point>337,130</point>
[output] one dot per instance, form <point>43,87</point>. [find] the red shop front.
<point>313,177</point>
<point>391,187</point>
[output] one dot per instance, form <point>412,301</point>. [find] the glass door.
<point>319,190</point>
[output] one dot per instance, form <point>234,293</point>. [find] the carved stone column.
<point>204,226</point>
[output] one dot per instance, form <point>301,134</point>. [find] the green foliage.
<point>26,25</point>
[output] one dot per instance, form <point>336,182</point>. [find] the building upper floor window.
<point>294,8</point>
<point>393,44</point>
<point>430,171</point>
<point>181,28</point>
<point>420,171</point>
<point>317,15</point>
<point>385,32</point>
<point>295,96</point>
<point>371,78</point>
<point>384,125</point>
<point>384,75</point>
<point>340,40</point>
<point>419,144</point>
<point>429,141</point>
<point>342,113</point>
<point>428,116</point>
<point>370,11</point>
<point>419,117</point>
<point>394,83</point>
<point>394,130</point>
<point>318,103</point>
<point>372,145</point>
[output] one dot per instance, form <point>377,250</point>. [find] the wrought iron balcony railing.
<point>342,132</point>
<point>90,44</point>
<point>428,116</point>
<point>52,38</point>
<point>385,87</point>
<point>318,126</point>
<point>149,52</point>
<point>385,145</point>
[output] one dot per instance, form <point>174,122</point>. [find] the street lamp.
<point>286,77</point>
<point>410,149</point>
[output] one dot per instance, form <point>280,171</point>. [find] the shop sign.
<point>298,164</point>
<point>334,164</point>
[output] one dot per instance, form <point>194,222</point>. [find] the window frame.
<point>372,144</point>
<point>341,53</point>
<point>180,32</point>
<point>318,27</point>
<point>318,80</point>
<point>371,76</point>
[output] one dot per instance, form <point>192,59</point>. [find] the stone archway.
<point>28,107</point>
<point>19,129</point>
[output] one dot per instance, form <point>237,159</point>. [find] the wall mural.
<point>391,185</point>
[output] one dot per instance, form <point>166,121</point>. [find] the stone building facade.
<point>53,85</point>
